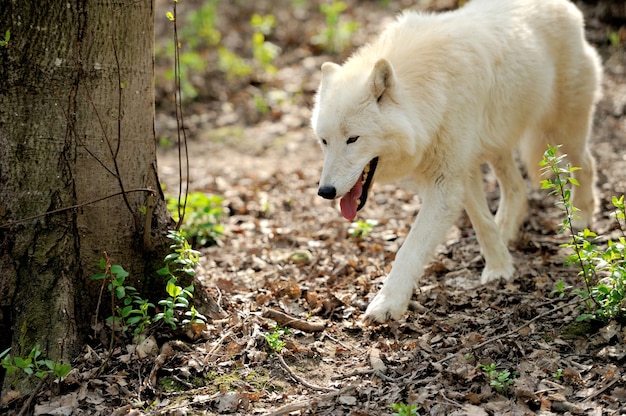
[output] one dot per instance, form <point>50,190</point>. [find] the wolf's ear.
<point>382,79</point>
<point>329,68</point>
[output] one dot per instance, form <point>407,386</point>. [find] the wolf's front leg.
<point>441,205</point>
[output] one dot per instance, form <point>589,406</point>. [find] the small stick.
<point>27,403</point>
<point>372,372</point>
<point>284,319</point>
<point>602,390</point>
<point>305,404</point>
<point>300,379</point>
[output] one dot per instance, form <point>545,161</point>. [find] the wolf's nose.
<point>328,192</point>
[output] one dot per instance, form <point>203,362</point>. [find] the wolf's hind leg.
<point>498,259</point>
<point>513,199</point>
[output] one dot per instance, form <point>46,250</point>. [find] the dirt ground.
<point>287,257</point>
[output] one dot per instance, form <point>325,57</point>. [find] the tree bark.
<point>76,130</point>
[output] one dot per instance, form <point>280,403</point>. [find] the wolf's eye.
<point>352,139</point>
<point>324,142</point>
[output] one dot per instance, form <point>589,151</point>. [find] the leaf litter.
<point>288,260</point>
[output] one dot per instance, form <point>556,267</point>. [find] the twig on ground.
<point>284,319</point>
<point>602,390</point>
<point>183,382</point>
<point>28,401</point>
<point>291,407</point>
<point>299,379</point>
<point>450,401</point>
<point>354,373</point>
<point>218,344</point>
<point>306,404</point>
<point>336,340</point>
<point>371,371</point>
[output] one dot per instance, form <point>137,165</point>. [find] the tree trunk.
<point>76,130</point>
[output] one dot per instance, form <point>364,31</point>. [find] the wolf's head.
<point>348,121</point>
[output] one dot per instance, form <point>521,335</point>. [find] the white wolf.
<point>436,96</point>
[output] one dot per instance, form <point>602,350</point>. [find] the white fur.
<point>456,90</point>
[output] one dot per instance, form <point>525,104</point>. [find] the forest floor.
<point>288,257</point>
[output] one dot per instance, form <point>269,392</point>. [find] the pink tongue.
<point>348,202</point>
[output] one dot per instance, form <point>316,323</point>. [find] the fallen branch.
<point>300,379</point>
<point>286,320</point>
<point>306,404</point>
<point>26,406</point>
<point>354,373</point>
<point>292,407</point>
<point>602,390</point>
<point>371,371</point>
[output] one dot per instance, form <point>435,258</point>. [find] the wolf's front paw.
<point>491,275</point>
<point>385,308</point>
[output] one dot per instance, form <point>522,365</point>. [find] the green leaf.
<point>182,303</point>
<point>573,181</point>
<point>119,271</point>
<point>10,369</point>
<point>120,292</point>
<point>585,317</point>
<point>133,320</point>
<point>171,257</point>
<point>22,363</point>
<point>5,352</point>
<point>126,311</point>
<point>62,370</point>
<point>98,276</point>
<point>172,289</point>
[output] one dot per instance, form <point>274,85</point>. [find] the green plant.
<point>202,214</point>
<point>129,310</point>
<point>560,289</point>
<point>7,36</point>
<point>500,380</point>
<point>360,229</point>
<point>200,30</point>
<point>264,52</point>
<point>274,338</point>
<point>336,35</point>
<point>176,308</point>
<point>558,374</point>
<point>603,270</point>
<point>233,65</point>
<point>614,38</point>
<point>33,364</point>
<point>403,409</point>
<point>198,33</point>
